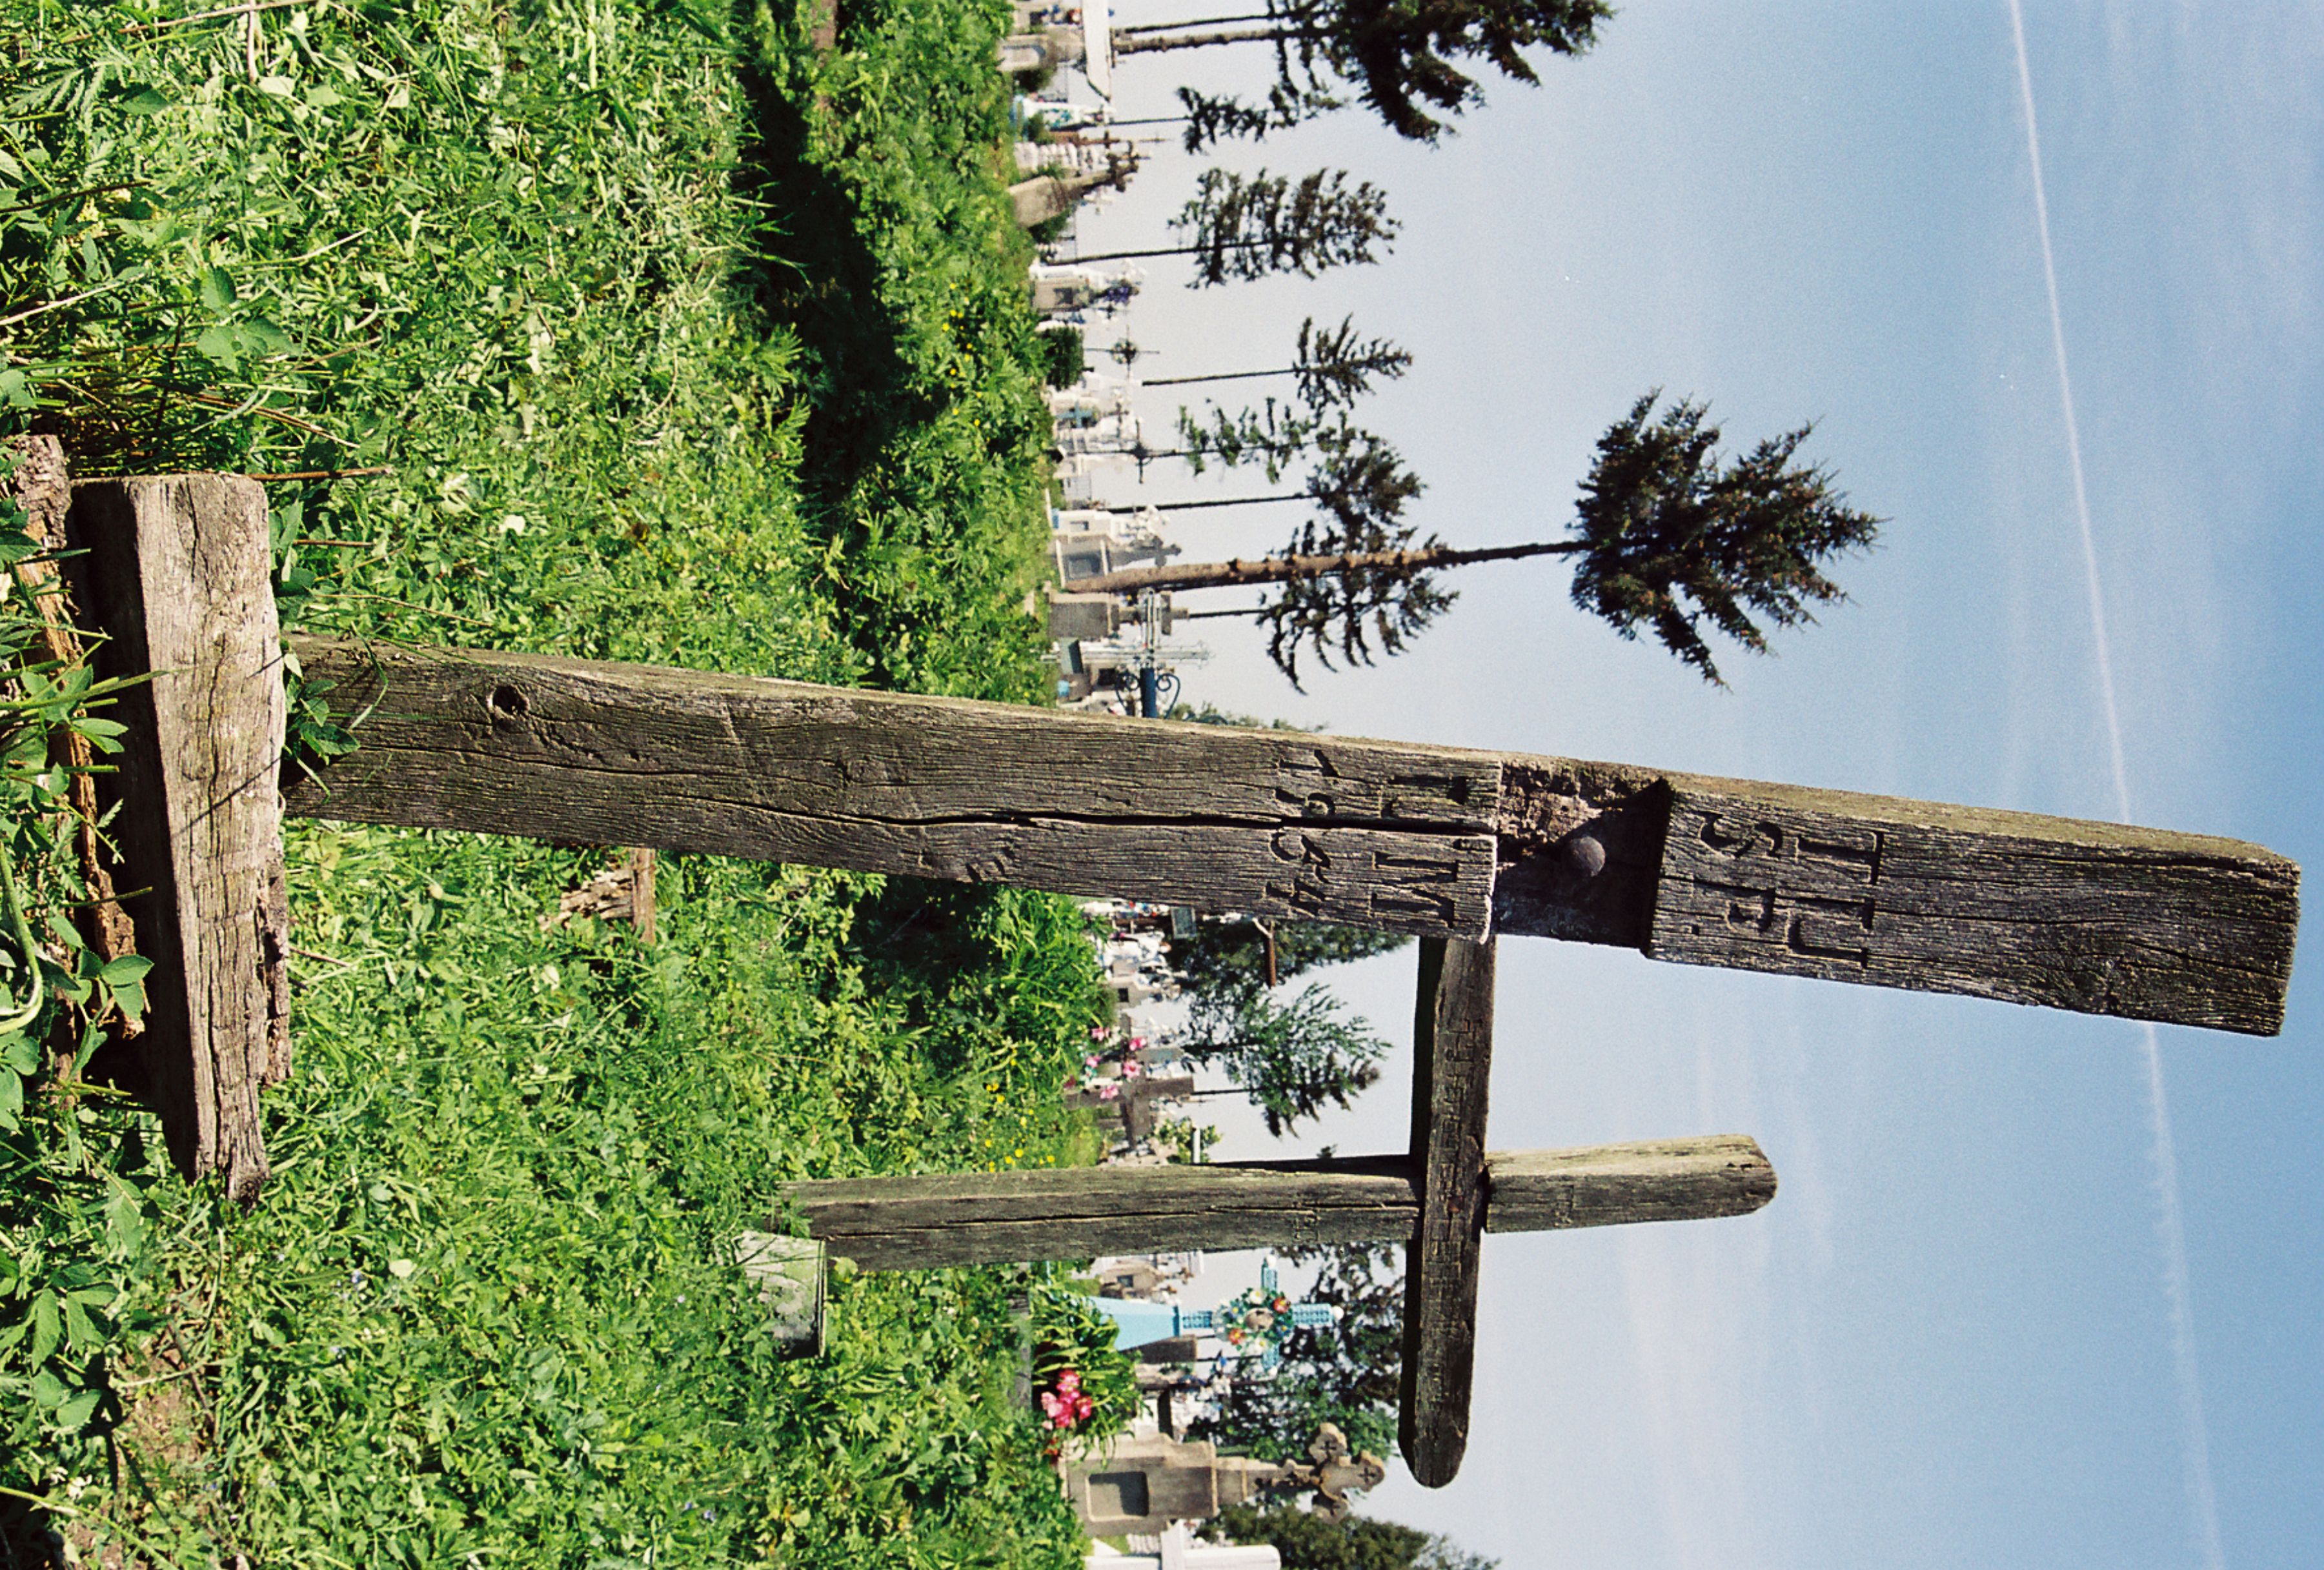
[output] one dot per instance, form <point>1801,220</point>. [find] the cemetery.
<point>569,990</point>
<point>1458,848</point>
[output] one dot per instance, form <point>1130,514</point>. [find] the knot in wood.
<point>508,706</point>
<point>1586,854</point>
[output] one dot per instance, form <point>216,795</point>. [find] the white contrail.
<point>2162,1150</point>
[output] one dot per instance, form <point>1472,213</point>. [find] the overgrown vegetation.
<point>1344,1373</point>
<point>1308,1542</point>
<point>680,343</point>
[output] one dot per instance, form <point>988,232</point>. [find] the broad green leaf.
<point>48,1390</point>
<point>216,291</point>
<point>125,1218</point>
<point>128,968</point>
<point>47,1328</point>
<point>80,1334</point>
<point>220,344</point>
<point>21,1053</point>
<point>76,1411</point>
<point>261,336</point>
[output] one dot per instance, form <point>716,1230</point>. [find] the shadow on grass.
<point>813,271</point>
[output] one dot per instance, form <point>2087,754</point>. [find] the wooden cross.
<point>1446,843</point>
<point>2098,917</point>
<point>1439,1199</point>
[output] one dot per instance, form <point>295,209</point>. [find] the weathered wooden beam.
<point>1453,1051</point>
<point>972,1218</point>
<point>2062,913</point>
<point>174,571</point>
<point>1276,823</point>
<point>2092,916</point>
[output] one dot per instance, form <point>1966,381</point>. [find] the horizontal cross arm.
<point>1376,835</point>
<point>1880,891</point>
<point>971,1218</point>
<point>2092,916</point>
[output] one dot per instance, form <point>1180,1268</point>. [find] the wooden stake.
<point>1453,1051</point>
<point>175,572</point>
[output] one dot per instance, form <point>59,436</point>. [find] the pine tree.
<point>1251,226</point>
<point>1671,537</point>
<point>1333,365</point>
<point>1396,55</point>
<point>1307,1541</point>
<point>1292,1059</point>
<point>1667,536</point>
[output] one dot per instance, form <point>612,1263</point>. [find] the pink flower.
<point>1090,1062</point>
<point>1109,1091</point>
<point>1138,1043</point>
<point>1131,1070</point>
<point>1069,1383</point>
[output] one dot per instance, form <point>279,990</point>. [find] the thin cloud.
<point>2162,1150</point>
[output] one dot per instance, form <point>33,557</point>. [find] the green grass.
<point>681,345</point>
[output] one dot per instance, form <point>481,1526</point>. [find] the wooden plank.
<point>1452,1050</point>
<point>2062,913</point>
<point>971,1218</point>
<point>2091,917</point>
<point>905,1223</point>
<point>1281,824</point>
<point>1696,1179</point>
<point>176,575</point>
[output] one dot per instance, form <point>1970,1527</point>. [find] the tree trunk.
<point>1196,21</point>
<point>1189,506</point>
<point>1162,251</point>
<point>1144,45</point>
<point>1201,575</point>
<point>1220,376</point>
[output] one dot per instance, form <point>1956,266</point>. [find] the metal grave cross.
<point>1439,1198</point>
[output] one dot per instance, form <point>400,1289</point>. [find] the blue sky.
<point>1953,1339</point>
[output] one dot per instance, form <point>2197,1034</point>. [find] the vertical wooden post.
<point>176,574</point>
<point>1452,1050</point>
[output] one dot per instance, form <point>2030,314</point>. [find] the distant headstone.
<point>1144,1483</point>
<point>788,1273</point>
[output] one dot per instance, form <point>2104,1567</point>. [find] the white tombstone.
<point>788,1273</point>
<point>1179,1551</point>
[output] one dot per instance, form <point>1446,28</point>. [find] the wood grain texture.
<point>969,1218</point>
<point>2091,917</point>
<point>2096,917</point>
<point>176,574</point>
<point>1691,1179</point>
<point>1369,834</point>
<point>1453,1052</point>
